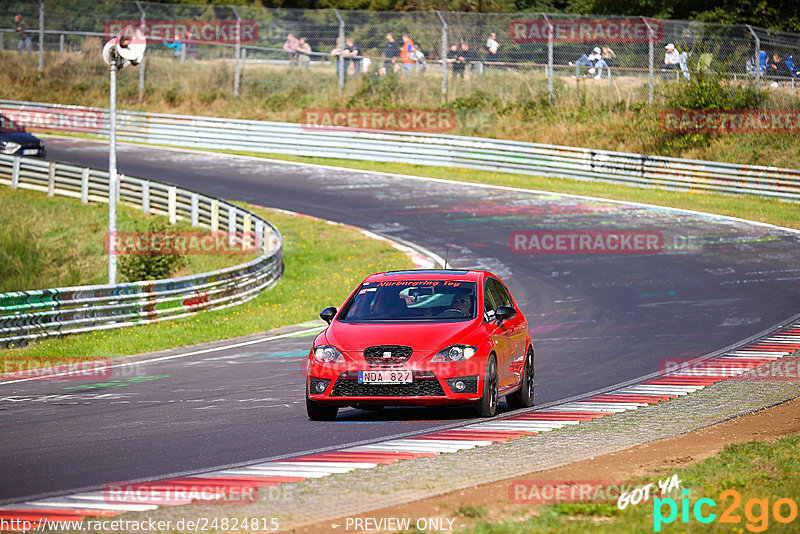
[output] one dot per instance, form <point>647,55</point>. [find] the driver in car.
<point>462,302</point>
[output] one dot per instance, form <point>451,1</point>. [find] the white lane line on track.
<point>176,356</point>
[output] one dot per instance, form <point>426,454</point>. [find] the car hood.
<point>22,138</point>
<point>352,337</point>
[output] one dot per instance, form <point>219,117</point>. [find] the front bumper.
<point>425,389</point>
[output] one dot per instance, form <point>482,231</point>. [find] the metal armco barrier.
<point>28,315</point>
<point>423,149</point>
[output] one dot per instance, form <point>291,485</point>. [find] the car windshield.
<point>7,125</point>
<point>411,301</point>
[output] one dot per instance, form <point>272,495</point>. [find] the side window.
<point>501,296</point>
<point>488,303</point>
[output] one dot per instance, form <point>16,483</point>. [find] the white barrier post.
<point>15,172</point>
<point>85,185</point>
<point>51,179</point>
<point>214,215</point>
<point>259,235</point>
<point>172,204</point>
<point>247,227</point>
<point>146,197</point>
<point>195,209</point>
<point>231,225</point>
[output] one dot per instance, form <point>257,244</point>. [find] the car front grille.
<point>424,385</point>
<point>387,354</point>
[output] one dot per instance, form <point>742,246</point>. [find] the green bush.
<point>136,267</point>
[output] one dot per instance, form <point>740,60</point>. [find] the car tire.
<point>320,412</point>
<point>523,398</point>
<point>487,406</point>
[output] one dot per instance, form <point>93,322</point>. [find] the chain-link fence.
<point>286,54</point>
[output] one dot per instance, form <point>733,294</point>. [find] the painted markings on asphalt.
<point>482,434</point>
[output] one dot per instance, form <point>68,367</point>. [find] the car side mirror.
<point>328,314</point>
<point>504,312</point>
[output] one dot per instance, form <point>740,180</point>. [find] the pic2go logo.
<point>756,511</point>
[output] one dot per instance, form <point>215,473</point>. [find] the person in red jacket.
<point>407,54</point>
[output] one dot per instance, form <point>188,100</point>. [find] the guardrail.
<point>423,149</point>
<point>28,315</point>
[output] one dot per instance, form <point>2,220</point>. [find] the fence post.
<point>195,209</point>
<point>41,35</point>
<point>61,43</point>
<point>340,46</point>
<point>172,204</point>
<point>237,52</point>
<point>2,40</point>
<point>85,185</point>
<point>247,228</point>
<point>51,179</point>
<point>143,27</point>
<point>214,215</point>
<point>259,234</point>
<point>146,197</point>
<point>757,64</point>
<point>15,172</point>
<point>231,225</point>
<point>650,38</point>
<point>444,56</point>
<point>549,59</point>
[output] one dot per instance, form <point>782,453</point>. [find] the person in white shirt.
<point>672,60</point>
<point>594,60</point>
<point>492,46</point>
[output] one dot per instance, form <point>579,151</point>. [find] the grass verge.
<point>759,474</point>
<point>38,249</point>
<point>322,264</point>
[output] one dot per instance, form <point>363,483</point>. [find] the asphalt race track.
<point>598,319</point>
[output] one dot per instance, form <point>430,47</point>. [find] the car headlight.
<point>9,147</point>
<point>328,354</point>
<point>455,353</point>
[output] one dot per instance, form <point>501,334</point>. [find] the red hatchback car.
<point>425,337</point>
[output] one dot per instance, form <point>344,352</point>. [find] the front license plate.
<point>30,151</point>
<point>384,377</point>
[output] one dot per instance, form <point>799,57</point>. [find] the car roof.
<point>428,274</point>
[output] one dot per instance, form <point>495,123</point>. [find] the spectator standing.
<point>419,59</point>
<point>25,38</point>
<point>687,42</point>
<point>176,45</point>
<point>467,56</point>
<point>303,50</point>
<point>609,56</point>
<point>406,54</point>
<point>191,44</point>
<point>452,59</point>
<point>390,54</point>
<point>338,52</point>
<point>492,46</point>
<point>291,46</point>
<point>352,55</point>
